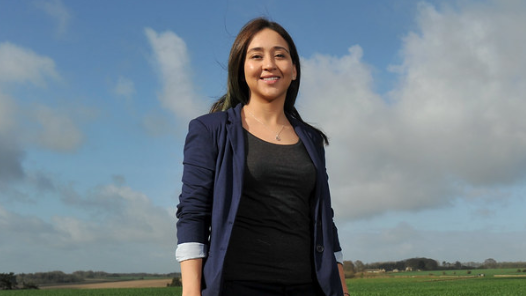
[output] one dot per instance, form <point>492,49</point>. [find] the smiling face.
<point>268,66</point>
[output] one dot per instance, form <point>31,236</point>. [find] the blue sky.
<point>422,101</point>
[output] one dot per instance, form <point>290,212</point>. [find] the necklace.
<point>277,137</point>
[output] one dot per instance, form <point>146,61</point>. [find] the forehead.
<point>266,39</point>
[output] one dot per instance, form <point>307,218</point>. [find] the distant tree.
<point>421,264</point>
<point>8,281</point>
<point>400,265</point>
<point>359,266</point>
<point>176,282</point>
<point>349,269</point>
<point>387,266</point>
<point>29,286</point>
<point>490,263</point>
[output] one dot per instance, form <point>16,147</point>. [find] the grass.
<point>443,283</point>
<point>98,292</point>
<point>483,286</point>
<point>474,272</point>
<point>452,283</point>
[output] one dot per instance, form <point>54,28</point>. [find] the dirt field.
<point>109,285</point>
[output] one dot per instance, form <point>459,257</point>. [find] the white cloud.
<point>7,113</point>
<point>123,231</point>
<point>37,123</point>
<point>11,154</point>
<point>453,126</point>
<point>56,10</point>
<point>57,130</point>
<point>11,169</point>
<point>129,215</point>
<point>124,87</point>
<point>157,124</point>
<point>171,60</point>
<point>402,241</point>
<point>23,65</point>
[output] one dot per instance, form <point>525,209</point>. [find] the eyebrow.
<point>275,48</point>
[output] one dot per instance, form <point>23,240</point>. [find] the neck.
<point>271,113</point>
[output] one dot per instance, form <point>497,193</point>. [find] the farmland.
<point>495,282</point>
<point>98,292</point>
<point>450,286</point>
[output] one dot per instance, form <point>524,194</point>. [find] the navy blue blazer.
<point>214,162</point>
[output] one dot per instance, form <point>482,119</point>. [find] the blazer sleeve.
<point>195,201</point>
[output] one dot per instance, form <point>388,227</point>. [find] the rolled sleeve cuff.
<point>339,257</point>
<point>187,251</point>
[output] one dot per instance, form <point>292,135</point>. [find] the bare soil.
<point>122,284</point>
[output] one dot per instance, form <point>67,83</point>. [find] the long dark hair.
<point>237,88</point>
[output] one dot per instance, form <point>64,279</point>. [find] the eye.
<point>256,56</point>
<point>280,54</point>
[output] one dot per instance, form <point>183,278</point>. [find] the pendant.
<point>278,138</point>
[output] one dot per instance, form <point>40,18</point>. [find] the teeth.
<point>271,78</point>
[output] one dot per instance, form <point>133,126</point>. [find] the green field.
<point>437,283</point>
<point>460,273</point>
<point>98,292</point>
<point>421,286</point>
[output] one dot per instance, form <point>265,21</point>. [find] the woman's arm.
<point>195,206</point>
<point>342,278</point>
<point>191,271</point>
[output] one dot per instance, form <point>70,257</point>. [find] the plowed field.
<point>122,284</point>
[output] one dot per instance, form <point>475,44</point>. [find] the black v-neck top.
<point>272,238</point>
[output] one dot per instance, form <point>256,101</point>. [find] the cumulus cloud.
<point>124,87</point>
<point>56,128</point>
<point>157,124</point>
<point>11,157</point>
<point>56,10</point>
<point>23,65</point>
<point>7,111</point>
<point>57,131</point>
<point>171,60</point>
<point>129,215</point>
<point>23,125</point>
<point>452,127</point>
<point>112,215</point>
<point>403,241</point>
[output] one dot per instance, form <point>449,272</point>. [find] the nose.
<point>269,63</point>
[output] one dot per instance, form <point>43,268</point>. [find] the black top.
<point>272,239</point>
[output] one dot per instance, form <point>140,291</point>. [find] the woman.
<point>254,215</point>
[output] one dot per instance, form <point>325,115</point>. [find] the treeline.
<point>351,268</point>
<point>8,282</point>
<point>59,277</point>
<point>413,264</point>
<point>403,265</point>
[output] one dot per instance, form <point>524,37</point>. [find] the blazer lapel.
<point>308,143</point>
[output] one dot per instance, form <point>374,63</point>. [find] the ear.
<point>294,72</point>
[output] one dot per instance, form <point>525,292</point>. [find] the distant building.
<point>375,270</point>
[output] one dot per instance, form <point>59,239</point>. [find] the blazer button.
<point>319,248</point>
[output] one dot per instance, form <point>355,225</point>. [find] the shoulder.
<point>216,120</point>
<point>206,135</point>
<point>211,120</point>
<point>313,134</point>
